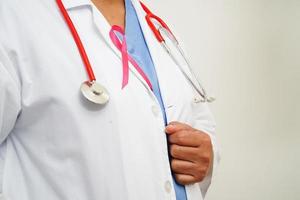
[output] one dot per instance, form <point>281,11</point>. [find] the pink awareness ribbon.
<point>122,46</point>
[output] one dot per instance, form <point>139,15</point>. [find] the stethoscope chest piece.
<point>94,92</point>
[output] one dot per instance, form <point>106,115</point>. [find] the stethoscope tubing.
<point>162,27</point>
<point>96,92</point>
<point>78,42</point>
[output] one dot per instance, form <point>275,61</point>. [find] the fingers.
<point>185,135</point>
<point>198,156</point>
<point>174,127</point>
<point>192,161</point>
<point>183,167</point>
<point>187,172</point>
<point>184,153</point>
<point>191,152</point>
<point>193,138</point>
<point>184,179</point>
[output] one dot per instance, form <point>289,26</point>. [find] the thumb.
<point>170,128</point>
<point>174,127</point>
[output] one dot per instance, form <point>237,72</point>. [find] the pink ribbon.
<point>122,46</point>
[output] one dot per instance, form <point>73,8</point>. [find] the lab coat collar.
<point>70,4</point>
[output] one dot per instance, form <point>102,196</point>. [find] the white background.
<point>247,53</point>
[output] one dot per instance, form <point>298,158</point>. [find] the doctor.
<point>152,140</point>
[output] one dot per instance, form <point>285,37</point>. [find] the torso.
<point>63,147</point>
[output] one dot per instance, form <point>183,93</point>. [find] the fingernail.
<point>169,127</point>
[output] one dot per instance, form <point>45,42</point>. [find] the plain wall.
<point>247,53</point>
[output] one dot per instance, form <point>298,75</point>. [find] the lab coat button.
<point>155,111</point>
<point>197,99</point>
<point>168,186</point>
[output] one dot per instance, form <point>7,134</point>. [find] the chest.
<point>113,11</point>
<point>52,70</point>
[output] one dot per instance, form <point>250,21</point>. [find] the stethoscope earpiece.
<point>210,99</point>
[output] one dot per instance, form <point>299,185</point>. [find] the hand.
<point>191,152</point>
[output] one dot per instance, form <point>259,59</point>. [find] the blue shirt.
<point>138,49</point>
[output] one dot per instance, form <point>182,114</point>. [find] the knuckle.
<point>206,159</point>
<point>201,169</point>
<point>200,178</point>
<point>206,138</point>
<point>200,175</point>
<point>198,169</point>
<point>181,137</point>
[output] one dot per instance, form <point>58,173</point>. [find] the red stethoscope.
<point>95,92</point>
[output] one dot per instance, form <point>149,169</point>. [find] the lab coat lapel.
<point>98,20</point>
<point>161,60</point>
<point>168,73</point>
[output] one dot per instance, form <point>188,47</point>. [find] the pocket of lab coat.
<point>183,110</point>
<point>202,117</point>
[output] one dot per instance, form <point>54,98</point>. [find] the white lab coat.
<point>57,146</point>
